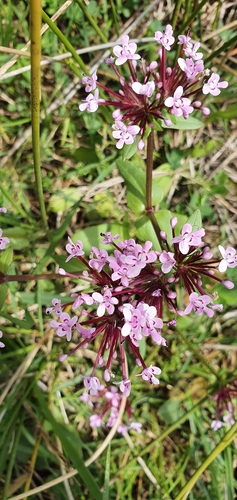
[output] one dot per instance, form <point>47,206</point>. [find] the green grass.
<point>45,431</point>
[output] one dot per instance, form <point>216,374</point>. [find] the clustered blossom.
<point>105,406</point>
<point>132,297</point>
<point>153,92</point>
<point>225,407</point>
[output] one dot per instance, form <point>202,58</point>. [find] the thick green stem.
<point>35,25</point>
<point>149,168</point>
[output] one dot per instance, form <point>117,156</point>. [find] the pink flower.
<point>3,210</point>
<point>95,421</point>
<point>213,85</point>
<point>229,258</point>
<point>92,384</point>
<point>149,374</point>
<point>167,260</point>
<point>91,103</point>
<point>64,325</point>
<point>124,134</point>
<point>108,238</point>
<point>191,51</point>
<point>188,238</point>
<point>166,39</point>
<point>106,301</point>
<point>1,343</point>
<point>180,106</point>
<point>90,81</point>
<point>126,52</point>
<point>191,68</point>
<point>125,387</point>
<point>100,261</point>
<point>146,89</point>
<point>3,241</point>
<point>56,308</point>
<point>217,424</point>
<point>75,250</point>
<point>199,305</point>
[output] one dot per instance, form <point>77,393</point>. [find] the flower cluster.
<point>153,92</point>
<point>132,296</point>
<point>105,405</point>
<point>225,407</point>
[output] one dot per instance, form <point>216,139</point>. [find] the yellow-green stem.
<point>67,44</point>
<point>227,439</point>
<point>35,25</point>
<point>91,21</point>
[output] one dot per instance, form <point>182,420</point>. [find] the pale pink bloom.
<point>136,426</point>
<point>134,320</point>
<point>185,41</point>
<point>99,262</point>
<point>92,384</point>
<point>56,308</point>
<point>167,260</point>
<point>83,298</point>
<point>91,103</point>
<point>64,325</point>
<point>108,238</point>
<point>213,85</point>
<point>86,333</point>
<point>1,343</point>
<point>188,238</point>
<point>3,241</point>
<point>149,374</point>
<point>192,51</point>
<point>125,387</point>
<point>180,106</point>
<point>217,424</point>
<point>106,302</point>
<point>75,250</point>
<point>124,134</point>
<point>166,38</point>
<point>229,258</point>
<point>126,52</point>
<point>191,68</point>
<point>199,303</point>
<point>96,421</point>
<point>90,81</point>
<point>147,89</point>
<point>3,210</point>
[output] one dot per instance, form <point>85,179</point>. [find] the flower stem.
<point>149,167</point>
<point>35,25</point>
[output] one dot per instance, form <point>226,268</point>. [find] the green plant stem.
<point>35,25</point>
<point>91,21</point>
<point>149,168</point>
<point>227,439</point>
<point>67,44</point>
<point>176,13</point>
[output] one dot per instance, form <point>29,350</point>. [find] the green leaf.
<point>182,124</point>
<point>195,220</point>
<point>71,448</point>
<point>64,199</point>
<point>107,475</point>
<point>3,294</point>
<point>146,232</point>
<point>5,259</point>
<point>135,181</point>
<point>170,411</point>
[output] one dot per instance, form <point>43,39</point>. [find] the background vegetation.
<point>45,436</point>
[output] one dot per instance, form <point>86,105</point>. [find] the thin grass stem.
<point>35,25</point>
